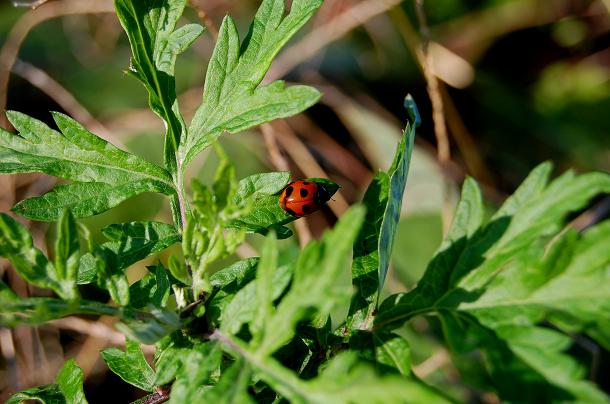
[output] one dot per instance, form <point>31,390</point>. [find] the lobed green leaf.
<point>17,246</point>
<point>315,285</point>
<point>104,175</point>
<point>130,365</point>
<point>197,365</point>
<point>493,284</point>
<point>231,100</point>
<point>155,44</point>
<point>153,289</point>
<point>130,243</point>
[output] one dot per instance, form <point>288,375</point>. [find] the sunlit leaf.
<point>232,100</point>
<point>103,175</point>
<point>130,365</point>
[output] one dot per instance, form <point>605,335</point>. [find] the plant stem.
<point>180,190</point>
<point>159,396</point>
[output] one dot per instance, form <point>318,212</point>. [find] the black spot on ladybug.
<point>291,212</point>
<point>289,191</point>
<point>305,182</point>
<point>304,192</point>
<point>306,208</point>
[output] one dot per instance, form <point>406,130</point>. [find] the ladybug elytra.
<point>303,197</point>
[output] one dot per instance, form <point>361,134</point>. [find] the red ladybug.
<point>303,197</point>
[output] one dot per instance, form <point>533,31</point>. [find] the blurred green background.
<point>521,81</point>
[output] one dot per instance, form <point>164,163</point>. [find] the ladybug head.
<point>322,195</point>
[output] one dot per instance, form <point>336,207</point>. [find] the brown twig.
<point>438,113</point>
<point>50,10</point>
<point>159,396</point>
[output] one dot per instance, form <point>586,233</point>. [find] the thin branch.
<point>40,79</point>
<point>321,37</point>
<point>438,359</point>
<point>159,396</point>
<point>438,112</point>
<point>50,10</point>
<point>94,329</point>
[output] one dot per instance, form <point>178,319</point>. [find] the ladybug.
<point>303,197</point>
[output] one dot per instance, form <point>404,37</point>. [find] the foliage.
<point>515,287</point>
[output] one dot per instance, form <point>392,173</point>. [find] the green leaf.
<point>195,370</point>
<point>68,388</point>
<point>130,243</point>
<point>373,248</point>
<point>315,285</point>
<point>344,380</point>
<point>104,175</point>
<point>236,275</point>
<point>177,268</point>
<point>263,183</point>
<point>392,352</point>
<point>229,281</point>
<point>231,100</point>
<point>150,325</point>
<point>529,358</point>
<point>232,386</point>
<point>469,213</point>
<point>70,381</point>
<point>130,365</point>
<point>365,266</point>
<point>238,309</point>
<point>398,173</point>
<point>146,326</point>
<point>110,276</point>
<point>16,245</point>
<point>45,394</point>
<point>152,289</point>
<point>494,284</point>
<point>347,381</point>
<point>155,44</point>
<point>67,252</point>
<point>264,286</point>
